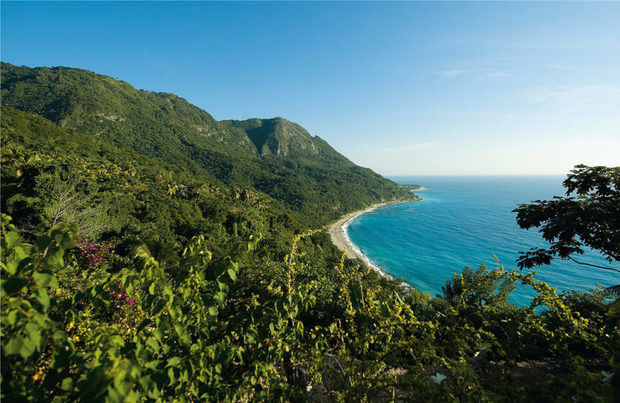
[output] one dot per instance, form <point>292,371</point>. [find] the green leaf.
<point>183,334</point>
<point>152,364</point>
<point>55,257</point>
<point>152,343</point>
<point>143,252</point>
<point>220,298</point>
<point>45,279</point>
<point>223,286</point>
<point>13,285</point>
<point>67,384</point>
<point>16,259</point>
<point>11,238</point>
<point>173,362</point>
<point>11,317</point>
<point>34,334</point>
<point>132,397</point>
<point>14,346</point>
<point>42,242</point>
<point>43,298</point>
<point>172,376</point>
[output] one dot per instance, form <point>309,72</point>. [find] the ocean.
<point>466,221</point>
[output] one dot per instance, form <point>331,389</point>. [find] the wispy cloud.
<point>539,44</point>
<point>451,73</point>
<point>408,147</point>
<point>581,69</point>
<point>575,96</point>
<point>496,74</point>
<point>590,142</point>
<point>479,73</point>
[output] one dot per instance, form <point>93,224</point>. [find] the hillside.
<point>274,156</point>
<point>281,138</point>
<point>51,174</point>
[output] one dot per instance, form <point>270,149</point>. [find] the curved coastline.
<point>339,234</point>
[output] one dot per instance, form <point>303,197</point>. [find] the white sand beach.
<point>340,237</point>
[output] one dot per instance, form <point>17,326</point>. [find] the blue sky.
<point>402,88</point>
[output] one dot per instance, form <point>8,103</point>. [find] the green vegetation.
<point>590,218</point>
<point>274,156</point>
<point>145,259</point>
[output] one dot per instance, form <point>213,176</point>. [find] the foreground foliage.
<point>587,217</point>
<point>71,329</point>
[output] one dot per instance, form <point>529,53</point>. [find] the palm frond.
<point>614,290</point>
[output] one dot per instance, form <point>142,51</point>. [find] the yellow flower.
<point>37,376</point>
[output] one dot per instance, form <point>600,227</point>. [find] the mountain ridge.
<point>275,156</point>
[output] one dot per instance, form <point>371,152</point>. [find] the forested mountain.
<point>51,174</point>
<point>279,137</point>
<point>274,156</point>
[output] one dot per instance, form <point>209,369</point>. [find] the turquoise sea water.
<point>463,221</point>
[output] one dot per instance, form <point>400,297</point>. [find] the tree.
<point>588,217</point>
<point>67,202</point>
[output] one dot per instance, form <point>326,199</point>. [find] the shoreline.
<point>340,237</point>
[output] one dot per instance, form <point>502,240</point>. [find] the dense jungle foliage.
<point>132,270</point>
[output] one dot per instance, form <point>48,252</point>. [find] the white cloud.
<point>542,44</point>
<point>590,142</point>
<point>496,74</point>
<point>451,73</point>
<point>480,72</point>
<point>580,69</point>
<point>575,96</point>
<point>407,147</point>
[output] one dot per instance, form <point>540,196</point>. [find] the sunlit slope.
<point>275,156</point>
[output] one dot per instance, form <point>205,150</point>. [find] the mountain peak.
<point>279,137</point>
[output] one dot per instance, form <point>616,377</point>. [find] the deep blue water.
<point>463,221</point>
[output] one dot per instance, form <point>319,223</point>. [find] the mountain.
<point>155,124</point>
<point>281,138</point>
<point>274,156</point>
<point>52,174</point>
